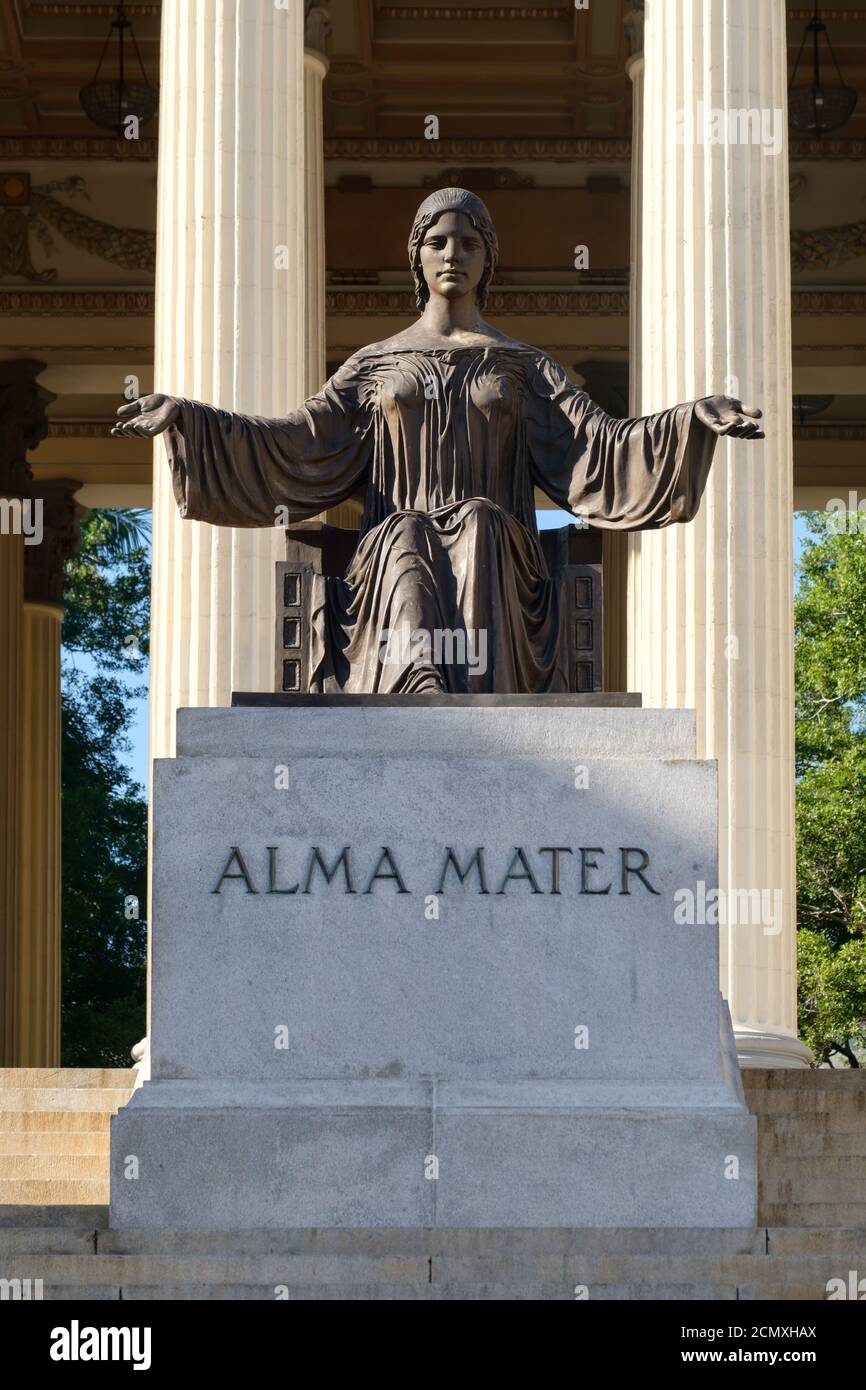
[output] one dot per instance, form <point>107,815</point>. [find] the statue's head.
<point>447,212</point>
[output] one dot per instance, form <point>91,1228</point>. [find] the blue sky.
<point>136,758</point>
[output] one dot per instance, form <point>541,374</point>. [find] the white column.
<point>315,70</point>
<point>617,591</point>
<point>712,623</point>
<point>634,23</point>
<point>230,323</point>
<point>318,27</point>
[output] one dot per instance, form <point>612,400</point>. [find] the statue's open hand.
<point>149,415</point>
<point>725,415</point>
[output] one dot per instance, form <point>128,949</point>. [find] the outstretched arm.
<point>237,470</point>
<point>626,475</point>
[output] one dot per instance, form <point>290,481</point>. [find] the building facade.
<point>662,234</point>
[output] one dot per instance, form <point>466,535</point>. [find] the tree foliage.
<point>105,647</point>
<point>830,684</point>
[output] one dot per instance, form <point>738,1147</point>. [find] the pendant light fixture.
<point>109,104</point>
<point>821,106</point>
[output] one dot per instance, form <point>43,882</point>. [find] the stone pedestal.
<point>419,964</point>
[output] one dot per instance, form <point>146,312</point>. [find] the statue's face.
<point>453,256</point>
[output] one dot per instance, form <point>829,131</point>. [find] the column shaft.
<point>230,323</point>
<point>712,621</point>
<point>37,1024</point>
<point>23,424</point>
<point>11,599</point>
<point>315,70</point>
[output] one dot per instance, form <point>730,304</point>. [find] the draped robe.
<point>447,445</point>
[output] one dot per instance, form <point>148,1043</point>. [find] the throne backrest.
<point>573,555</point>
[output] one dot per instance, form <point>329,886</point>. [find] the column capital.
<point>45,563</point>
<point>23,423</point>
<point>317,26</point>
<point>633,23</point>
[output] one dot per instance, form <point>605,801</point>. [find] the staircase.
<point>53,1220</point>
<point>54,1133</point>
<point>811,1146</point>
<point>77,1258</point>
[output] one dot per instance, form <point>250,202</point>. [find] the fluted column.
<point>37,1023</point>
<point>11,599</point>
<point>712,621</point>
<point>634,25</point>
<point>617,613</point>
<point>317,29</point>
<point>230,323</point>
<point>318,26</point>
<point>22,426</point>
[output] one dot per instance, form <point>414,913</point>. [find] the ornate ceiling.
<point>486,69</point>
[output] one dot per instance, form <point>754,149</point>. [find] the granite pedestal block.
<point>421,966</point>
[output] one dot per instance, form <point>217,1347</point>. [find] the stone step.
<point>809,1079</point>
<point>66,1078</point>
<point>60,1191</point>
<point>828,1187</point>
<point>66,1217</point>
<point>83,1293</point>
<point>847,1241</point>
<point>39,1142</point>
<point>18,1242</point>
<point>842,1102</point>
<point>57,1121</point>
<point>841,1214</point>
<point>92,1098</point>
<point>798,1146</point>
<point>75,1257</point>
<point>817,1122</point>
<point>674,1293</point>
<point>802,1169</point>
<point>480,1243</point>
<point>52,1167</point>
<point>29,1228</point>
<point>568,1272</point>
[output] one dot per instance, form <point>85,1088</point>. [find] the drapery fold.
<point>447,446</point>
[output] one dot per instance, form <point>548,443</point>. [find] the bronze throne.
<point>317,551</point>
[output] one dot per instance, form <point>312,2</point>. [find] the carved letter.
<point>638,869</point>
<point>585,866</point>
<point>556,851</point>
<point>272,873</point>
<point>395,872</point>
<point>244,871</point>
<point>330,874</point>
<point>451,860</point>
<point>527,872</point>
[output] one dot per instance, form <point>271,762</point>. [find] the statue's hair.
<point>452,200</point>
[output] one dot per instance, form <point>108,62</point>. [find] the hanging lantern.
<point>821,106</point>
<point>110,104</point>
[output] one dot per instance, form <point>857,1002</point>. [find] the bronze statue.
<point>448,427</point>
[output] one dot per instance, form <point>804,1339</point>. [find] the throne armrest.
<point>574,559</point>
<point>312,548</point>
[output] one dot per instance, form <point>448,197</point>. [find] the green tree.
<point>830,684</point>
<point>104,836</point>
